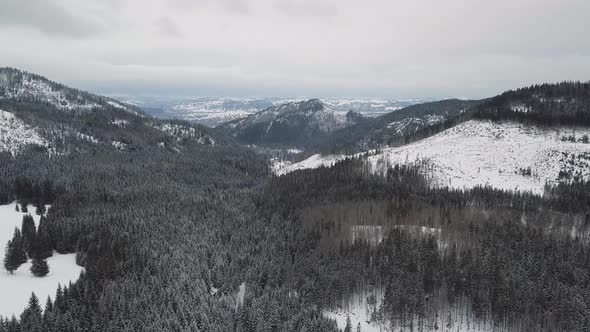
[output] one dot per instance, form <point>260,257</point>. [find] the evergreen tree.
<point>10,259</point>
<point>14,255</point>
<point>348,327</point>
<point>39,267</point>
<point>29,234</point>
<point>42,247</point>
<point>31,319</point>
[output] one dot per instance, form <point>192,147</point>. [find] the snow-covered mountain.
<point>213,111</point>
<point>505,155</point>
<point>391,128</point>
<point>35,111</point>
<point>293,123</point>
<point>23,86</point>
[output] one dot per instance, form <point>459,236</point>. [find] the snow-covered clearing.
<point>479,153</point>
<point>364,309</point>
<point>17,288</point>
<point>15,134</point>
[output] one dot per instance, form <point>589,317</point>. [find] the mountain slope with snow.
<point>23,86</point>
<point>293,123</point>
<point>15,134</point>
<point>391,128</point>
<point>505,155</point>
<point>60,119</point>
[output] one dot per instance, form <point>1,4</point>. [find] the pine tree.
<point>19,250</point>
<point>31,319</point>
<point>10,260</point>
<point>348,327</point>
<point>29,234</point>
<point>39,267</point>
<point>42,247</point>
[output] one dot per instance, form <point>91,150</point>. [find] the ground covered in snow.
<point>16,289</point>
<point>504,155</point>
<point>363,309</point>
<point>15,134</point>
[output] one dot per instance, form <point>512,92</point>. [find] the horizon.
<point>390,49</point>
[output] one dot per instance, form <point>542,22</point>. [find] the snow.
<point>240,296</point>
<point>120,123</point>
<point>315,161</point>
<point>15,134</point>
<point>360,310</point>
<point>479,153</point>
<point>373,234</point>
<point>46,92</point>
<point>17,288</point>
<point>181,132</point>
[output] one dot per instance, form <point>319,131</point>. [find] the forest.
<point>202,237</point>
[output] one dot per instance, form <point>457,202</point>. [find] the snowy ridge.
<point>16,84</point>
<point>44,91</point>
<point>15,134</point>
<point>503,155</point>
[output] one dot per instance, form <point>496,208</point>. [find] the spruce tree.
<point>19,249</point>
<point>10,260</point>
<point>348,327</point>
<point>39,267</point>
<point>29,234</point>
<point>42,247</point>
<point>31,319</point>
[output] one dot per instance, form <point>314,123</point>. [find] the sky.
<point>320,48</point>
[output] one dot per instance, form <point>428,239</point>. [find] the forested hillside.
<point>293,124</point>
<point>392,128</point>
<point>184,230</point>
<point>566,103</point>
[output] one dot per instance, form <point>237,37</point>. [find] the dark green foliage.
<point>14,254</point>
<point>10,258</point>
<point>29,234</point>
<point>31,318</point>
<point>565,103</point>
<point>42,247</point>
<point>39,268</point>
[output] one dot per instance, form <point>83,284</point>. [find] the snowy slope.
<point>17,288</point>
<point>485,153</point>
<point>21,85</point>
<point>15,134</point>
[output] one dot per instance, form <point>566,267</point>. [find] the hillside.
<point>391,128</point>
<point>290,124</point>
<point>38,112</point>
<point>503,155</point>
<point>566,103</point>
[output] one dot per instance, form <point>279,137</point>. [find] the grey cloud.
<point>317,8</point>
<point>168,27</point>
<point>44,16</point>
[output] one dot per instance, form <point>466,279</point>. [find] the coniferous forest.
<point>167,243</point>
<point>191,231</point>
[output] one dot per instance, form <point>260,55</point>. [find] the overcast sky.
<point>371,48</point>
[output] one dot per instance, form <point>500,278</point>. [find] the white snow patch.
<point>373,234</point>
<point>240,296</point>
<point>15,134</point>
<point>479,153</point>
<point>120,123</point>
<point>16,289</point>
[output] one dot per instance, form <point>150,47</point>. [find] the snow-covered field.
<point>16,289</point>
<point>484,153</point>
<point>15,134</point>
